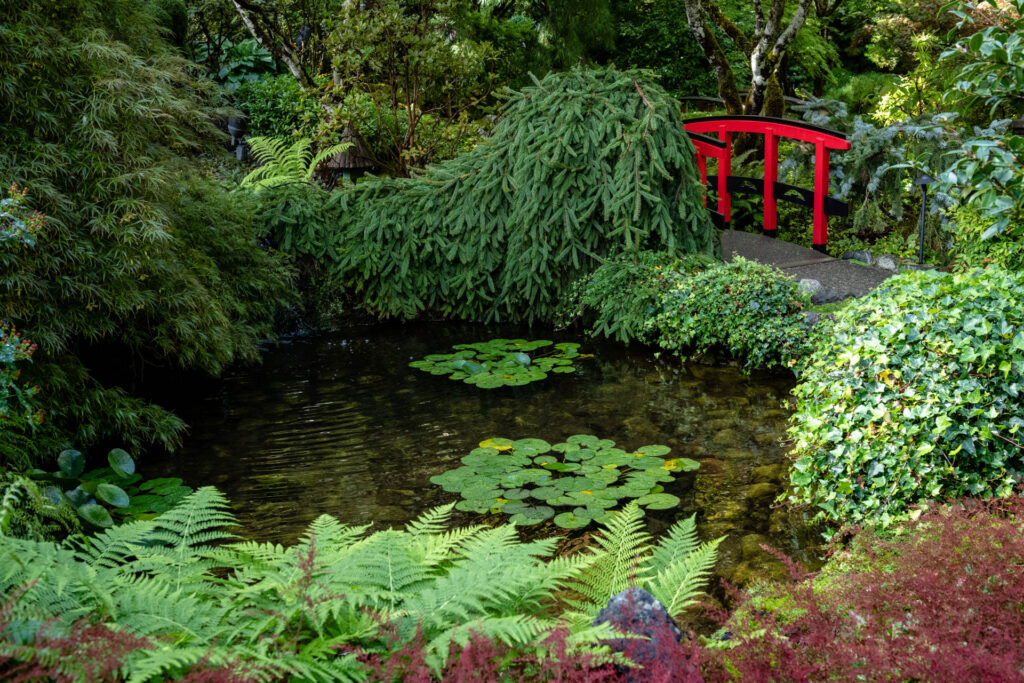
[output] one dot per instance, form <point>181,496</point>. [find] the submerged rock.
<point>768,473</point>
<point>750,546</point>
<point>637,612</point>
<point>762,494</point>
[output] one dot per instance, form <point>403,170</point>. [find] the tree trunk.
<point>264,35</point>
<point>765,51</point>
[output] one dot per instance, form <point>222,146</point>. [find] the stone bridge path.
<point>839,278</point>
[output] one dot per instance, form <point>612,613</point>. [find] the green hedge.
<point>917,395</point>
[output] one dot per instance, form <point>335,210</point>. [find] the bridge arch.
<point>720,149</point>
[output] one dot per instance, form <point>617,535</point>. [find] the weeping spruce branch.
<point>583,165</point>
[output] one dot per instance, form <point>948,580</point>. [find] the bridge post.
<point>819,239</point>
<point>771,174</point>
<point>724,171</point>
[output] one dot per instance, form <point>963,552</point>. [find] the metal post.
<point>924,181</point>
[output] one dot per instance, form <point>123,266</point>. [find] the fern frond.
<point>282,161</point>
<point>150,608</point>
<point>180,533</point>
<point>433,521</point>
<point>680,541</point>
<point>620,559</point>
<point>114,547</point>
<point>680,582</point>
<point>13,493</point>
<point>330,533</point>
<point>511,630</point>
<point>323,155</point>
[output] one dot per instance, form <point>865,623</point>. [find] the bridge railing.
<point>769,187</point>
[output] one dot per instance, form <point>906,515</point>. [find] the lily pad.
<point>533,515</point>
<point>571,520</point>
<point>658,501</point>
<point>501,362</point>
<point>530,479</point>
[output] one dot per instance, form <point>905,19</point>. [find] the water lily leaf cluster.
<point>103,496</point>
<point>572,483</point>
<point>502,362</point>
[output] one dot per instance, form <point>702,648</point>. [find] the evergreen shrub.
<point>277,106</point>
<point>583,165</point>
<point>915,395</point>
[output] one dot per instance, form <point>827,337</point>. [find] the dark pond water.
<point>340,424</point>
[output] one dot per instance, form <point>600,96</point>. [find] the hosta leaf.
<point>96,515</point>
<point>121,462</point>
<point>112,495</point>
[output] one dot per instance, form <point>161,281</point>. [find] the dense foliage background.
<point>495,160</point>
<point>144,257</point>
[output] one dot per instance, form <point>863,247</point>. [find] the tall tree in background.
<point>290,31</point>
<point>765,50</point>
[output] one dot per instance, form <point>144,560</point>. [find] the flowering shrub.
<point>749,309</point>
<point>17,408</point>
<point>939,602</point>
<point>916,395</point>
<point>18,225</point>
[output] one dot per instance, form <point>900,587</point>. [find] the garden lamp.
<point>924,181</point>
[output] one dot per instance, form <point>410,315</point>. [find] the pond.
<point>338,423</point>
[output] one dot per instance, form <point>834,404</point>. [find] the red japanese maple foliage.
<point>943,603</point>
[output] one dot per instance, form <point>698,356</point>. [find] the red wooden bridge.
<point>769,187</point>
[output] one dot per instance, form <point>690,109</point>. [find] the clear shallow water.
<point>339,424</point>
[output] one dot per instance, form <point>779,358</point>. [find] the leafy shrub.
<point>874,176</point>
<point>18,408</point>
<point>655,35</point>
<point>582,165</point>
<point>277,106</point>
<point>313,610</point>
<point>239,62</point>
<point>748,309</point>
<point>529,478</point>
<point>18,225</point>
<point>939,602</point>
<point>915,395</point>
<point>619,298</point>
<point>52,505</point>
<point>966,229</point>
<point>501,362</point>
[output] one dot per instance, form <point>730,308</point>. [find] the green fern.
<point>202,598</point>
<point>282,161</point>
<point>673,571</point>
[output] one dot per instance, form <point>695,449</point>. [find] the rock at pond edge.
<point>637,612</point>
